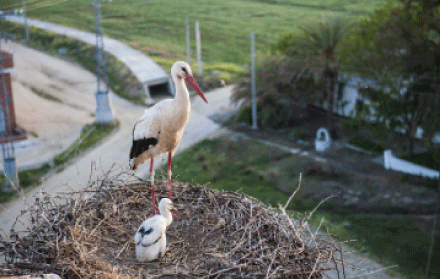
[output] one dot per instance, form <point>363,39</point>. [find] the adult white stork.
<point>161,127</point>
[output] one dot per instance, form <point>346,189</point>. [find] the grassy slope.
<point>157,27</point>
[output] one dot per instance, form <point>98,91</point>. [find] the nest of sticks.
<point>89,234</point>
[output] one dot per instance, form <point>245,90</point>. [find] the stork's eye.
<point>183,69</point>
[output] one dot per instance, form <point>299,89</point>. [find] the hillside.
<point>158,27</point>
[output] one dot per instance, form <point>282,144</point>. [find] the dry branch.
<point>89,234</point>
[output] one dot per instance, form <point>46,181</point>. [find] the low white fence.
<point>394,163</point>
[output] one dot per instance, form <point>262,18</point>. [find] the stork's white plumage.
<point>161,127</point>
<point>150,239</point>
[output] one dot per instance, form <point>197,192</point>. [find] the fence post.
<point>199,50</point>
<point>188,43</point>
<point>26,28</point>
<point>254,90</point>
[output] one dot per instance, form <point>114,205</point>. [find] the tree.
<point>285,85</point>
<point>398,45</point>
<point>318,47</point>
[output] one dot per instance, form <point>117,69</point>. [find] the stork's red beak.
<point>196,87</point>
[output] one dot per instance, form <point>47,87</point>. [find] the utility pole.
<point>8,150</point>
<point>199,50</point>
<point>188,43</point>
<point>253,85</point>
<point>104,113</point>
<point>25,21</point>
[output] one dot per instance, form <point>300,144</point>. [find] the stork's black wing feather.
<point>141,145</point>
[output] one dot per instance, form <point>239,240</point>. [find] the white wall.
<point>394,163</point>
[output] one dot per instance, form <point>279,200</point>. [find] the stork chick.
<point>150,239</point>
<point>161,127</point>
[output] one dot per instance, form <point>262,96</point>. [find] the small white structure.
<point>323,140</point>
<point>394,163</point>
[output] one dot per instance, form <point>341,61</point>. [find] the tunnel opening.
<point>159,90</point>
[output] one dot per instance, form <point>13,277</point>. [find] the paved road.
<point>143,67</point>
<point>114,151</point>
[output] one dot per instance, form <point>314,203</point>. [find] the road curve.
<point>111,153</point>
<point>143,67</point>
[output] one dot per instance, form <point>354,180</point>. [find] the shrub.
<point>366,144</point>
<point>244,115</point>
<point>284,85</point>
<point>299,134</point>
<point>225,67</point>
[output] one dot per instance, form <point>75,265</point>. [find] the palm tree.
<point>320,41</point>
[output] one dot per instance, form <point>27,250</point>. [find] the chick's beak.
<point>196,87</point>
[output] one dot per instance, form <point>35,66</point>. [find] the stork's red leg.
<point>152,184</point>
<point>169,173</point>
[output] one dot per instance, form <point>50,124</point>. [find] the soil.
<point>52,122</point>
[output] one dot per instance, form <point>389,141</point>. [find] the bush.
<point>225,67</point>
<point>429,159</point>
<point>284,85</point>
<point>299,134</point>
<point>270,117</point>
<point>366,144</point>
<point>244,115</point>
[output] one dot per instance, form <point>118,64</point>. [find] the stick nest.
<point>89,234</point>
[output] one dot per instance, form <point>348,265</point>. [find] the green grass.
<point>391,241</point>
<point>246,169</point>
<point>90,136</point>
<point>367,144</point>
<point>26,178</point>
<point>120,79</point>
<point>157,27</point>
<point>45,95</point>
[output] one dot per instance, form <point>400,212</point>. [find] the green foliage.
<point>324,37</point>
<point>91,134</point>
<point>26,178</point>
<point>45,95</point>
<point>272,115</point>
<point>356,123</point>
<point>360,42</point>
<point>244,115</point>
<point>366,144</point>
<point>284,44</point>
<point>285,85</point>
<point>299,134</point>
<point>33,176</point>
<point>429,159</point>
<point>225,67</point>
<point>396,240</point>
<point>397,45</point>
